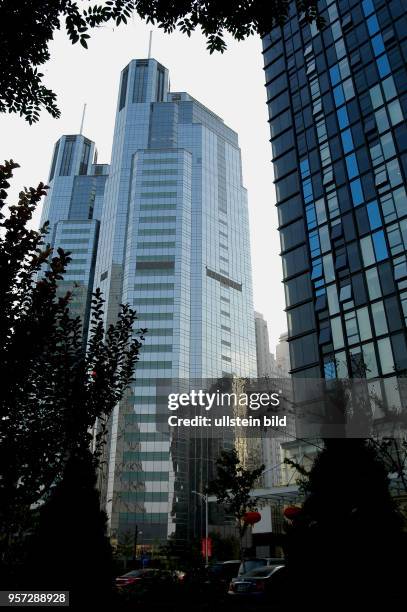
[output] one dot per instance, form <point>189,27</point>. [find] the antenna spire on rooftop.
<point>150,43</point>
<point>83,118</point>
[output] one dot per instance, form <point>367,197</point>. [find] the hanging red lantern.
<point>292,512</point>
<point>250,518</point>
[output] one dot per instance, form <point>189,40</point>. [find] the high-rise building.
<point>174,244</point>
<point>265,359</point>
<point>277,369</point>
<point>337,106</point>
<point>73,208</point>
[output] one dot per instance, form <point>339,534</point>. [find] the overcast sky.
<point>231,85</point>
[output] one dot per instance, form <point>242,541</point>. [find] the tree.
<point>232,488</point>
<point>27,28</point>
<point>70,550</point>
<point>53,389</point>
<point>348,537</point>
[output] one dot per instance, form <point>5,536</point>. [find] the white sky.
<point>231,85</point>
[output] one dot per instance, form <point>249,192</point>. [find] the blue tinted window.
<point>316,269</point>
<point>380,247</point>
<point>343,118</point>
<point>338,95</point>
<point>372,25</point>
<point>378,45</point>
<point>357,192</point>
<point>304,166</point>
<point>347,141</point>
<point>329,370</point>
<point>374,215</point>
<point>314,244</point>
<point>307,190</point>
<point>311,216</point>
<point>352,166</point>
<point>368,7</point>
<point>383,66</point>
<point>335,75</point>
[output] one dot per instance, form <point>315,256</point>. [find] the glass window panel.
<point>376,96</point>
<point>380,247</point>
<point>329,369</point>
<point>373,283</point>
<point>382,121</point>
<point>316,269</point>
<point>365,331</point>
<point>378,45</point>
<point>340,49</point>
<point>386,356</point>
<point>339,96</point>
<point>329,271</point>
<point>394,173</point>
<point>335,75</point>
<point>333,303</point>
<point>320,211</point>
<point>372,25</point>
<point>347,141</point>
<point>388,209</point>
<point>357,193</point>
<point>400,201</point>
<point>344,69</point>
<point>341,365</point>
<point>343,118</point>
<point>379,318</point>
<point>336,30</point>
<point>351,327</point>
<point>395,112</point>
<point>383,66</point>
<point>352,166</point>
<point>345,293</point>
<point>324,239</point>
<point>368,7</point>
<point>374,215</point>
<point>348,89</point>
<point>367,251</point>
<point>369,358</point>
<point>388,145</point>
<point>389,88</point>
<point>337,333</point>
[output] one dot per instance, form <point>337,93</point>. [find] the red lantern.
<point>292,512</point>
<point>250,518</point>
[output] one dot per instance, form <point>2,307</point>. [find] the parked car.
<point>261,584</point>
<point>144,578</point>
<point>250,564</point>
<point>219,575</point>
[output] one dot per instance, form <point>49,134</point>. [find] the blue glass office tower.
<point>337,103</point>
<point>173,243</point>
<point>73,208</point>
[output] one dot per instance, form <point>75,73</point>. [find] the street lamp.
<point>204,496</point>
<point>136,534</point>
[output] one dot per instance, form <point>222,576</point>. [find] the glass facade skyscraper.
<point>337,101</point>
<point>174,244</point>
<point>73,208</point>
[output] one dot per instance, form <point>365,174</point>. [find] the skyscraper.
<point>265,359</point>
<point>73,208</point>
<point>174,244</point>
<point>277,369</point>
<point>337,106</point>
